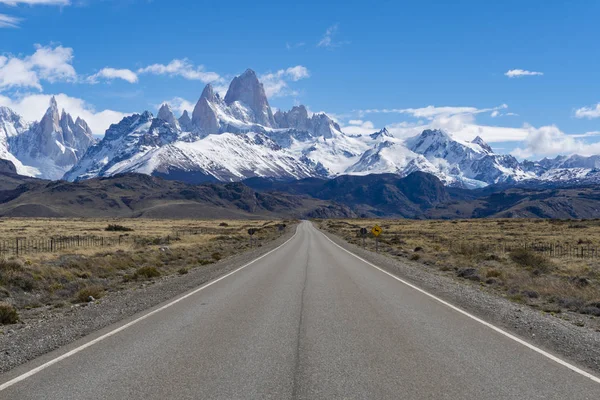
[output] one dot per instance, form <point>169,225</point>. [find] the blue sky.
<point>369,64</point>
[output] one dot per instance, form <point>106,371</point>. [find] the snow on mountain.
<point>252,155</point>
<point>53,145</point>
<point>45,149</point>
<point>238,137</point>
<point>390,155</point>
<point>467,163</point>
<point>11,126</point>
<point>144,144</point>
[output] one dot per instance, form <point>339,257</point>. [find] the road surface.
<point>307,321</point>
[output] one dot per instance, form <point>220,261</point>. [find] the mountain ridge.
<point>239,137</point>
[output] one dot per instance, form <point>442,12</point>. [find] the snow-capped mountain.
<point>11,126</point>
<point>570,169</point>
<point>238,136</point>
<point>159,146</point>
<point>45,149</point>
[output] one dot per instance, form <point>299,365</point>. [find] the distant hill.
<point>418,195</point>
<point>562,203</point>
<point>421,195</point>
<point>375,195</point>
<point>137,195</point>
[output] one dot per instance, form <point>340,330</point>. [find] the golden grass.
<point>40,228</point>
<point>75,274</point>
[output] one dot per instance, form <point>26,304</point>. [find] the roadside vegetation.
<point>515,258</point>
<point>77,276</point>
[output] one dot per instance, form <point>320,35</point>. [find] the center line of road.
<point>493,327</point>
<point>129,324</point>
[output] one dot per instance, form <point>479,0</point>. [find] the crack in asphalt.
<point>300,326</point>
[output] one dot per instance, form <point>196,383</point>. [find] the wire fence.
<point>21,246</point>
<point>563,250</point>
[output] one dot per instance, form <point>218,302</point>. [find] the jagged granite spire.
<point>247,89</point>
<point>185,122</point>
<point>166,114</point>
<point>205,116</point>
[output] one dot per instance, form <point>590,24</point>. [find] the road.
<point>307,321</point>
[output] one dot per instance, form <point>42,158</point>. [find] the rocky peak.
<point>185,122</point>
<point>6,114</point>
<point>83,125</point>
<point>324,126</point>
<point>67,125</point>
<point>11,123</point>
<point>381,134</point>
<point>296,118</point>
<point>166,114</point>
<point>247,89</point>
<point>479,141</point>
<point>51,120</point>
<point>209,94</point>
<point>435,133</point>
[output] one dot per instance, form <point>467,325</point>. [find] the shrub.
<point>10,265</point>
<point>531,294</point>
<point>117,228</point>
<point>414,257</point>
<point>147,272</point>
<point>183,271</point>
<point>493,273</point>
<point>418,248</point>
<point>216,256</point>
<point>223,224</point>
<point>83,296</point>
<point>528,258</point>
<point>468,273</point>
<point>8,314</point>
<point>22,281</point>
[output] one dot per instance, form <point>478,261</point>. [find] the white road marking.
<point>122,328</point>
<point>495,328</point>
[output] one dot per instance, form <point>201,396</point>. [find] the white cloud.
<point>356,122</point>
<point>495,113</point>
<point>183,68</point>
<point>459,121</point>
<point>431,112</point>
<point>359,127</point>
<point>36,2</point>
<point>112,73</point>
<point>47,63</point>
<point>179,105</point>
<point>291,46</point>
<point>517,73</point>
<point>550,141</point>
<point>276,83</point>
<point>7,21</point>
<point>328,38</point>
<point>588,112</point>
<point>33,106</point>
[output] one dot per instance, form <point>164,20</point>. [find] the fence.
<point>565,250</point>
<point>21,246</point>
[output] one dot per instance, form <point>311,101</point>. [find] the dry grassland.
<point>82,274</point>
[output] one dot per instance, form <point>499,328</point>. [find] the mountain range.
<point>238,136</point>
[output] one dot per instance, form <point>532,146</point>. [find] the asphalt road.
<point>307,321</point>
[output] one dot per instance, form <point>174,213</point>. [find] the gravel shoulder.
<point>42,332</point>
<point>579,345</point>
